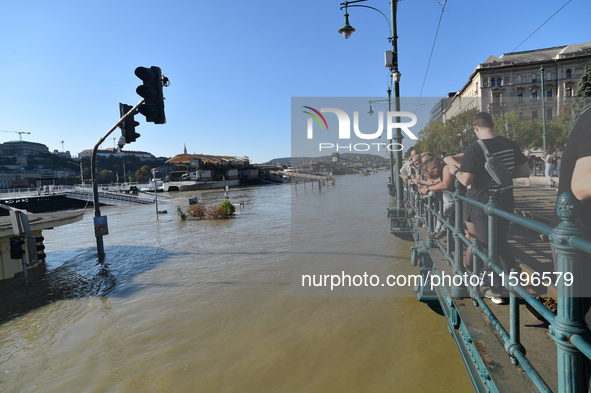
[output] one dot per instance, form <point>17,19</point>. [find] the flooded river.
<point>219,306</point>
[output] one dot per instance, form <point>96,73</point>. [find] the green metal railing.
<point>572,247</point>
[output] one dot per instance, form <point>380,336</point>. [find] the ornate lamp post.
<point>391,152</point>
<point>508,129</point>
<point>543,109</point>
<point>346,31</point>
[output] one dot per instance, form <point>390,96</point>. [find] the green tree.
<point>525,132</point>
<point>453,136</point>
<point>143,174</point>
<point>582,98</point>
<point>106,176</point>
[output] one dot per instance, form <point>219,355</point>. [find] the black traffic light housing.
<point>128,125</point>
<point>40,248</point>
<point>151,91</point>
<point>17,247</point>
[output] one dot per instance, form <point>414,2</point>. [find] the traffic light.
<point>151,91</point>
<point>40,248</point>
<point>128,125</point>
<point>34,249</point>
<point>17,249</point>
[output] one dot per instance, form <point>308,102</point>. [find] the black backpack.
<point>495,168</point>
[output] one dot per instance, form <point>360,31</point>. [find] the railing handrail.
<point>569,245</point>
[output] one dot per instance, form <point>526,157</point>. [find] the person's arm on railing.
<point>455,160</point>
<point>465,178</point>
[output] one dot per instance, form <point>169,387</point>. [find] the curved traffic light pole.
<point>97,211</point>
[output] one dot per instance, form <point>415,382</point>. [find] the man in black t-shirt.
<point>473,173</point>
<point>576,177</point>
<point>576,168</point>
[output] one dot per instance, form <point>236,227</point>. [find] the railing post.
<point>430,217</point>
<point>429,214</point>
<point>459,290</point>
<point>418,203</point>
<point>475,291</point>
<point>572,374</point>
<point>492,229</point>
<point>514,343</point>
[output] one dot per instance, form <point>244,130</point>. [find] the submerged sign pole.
<point>100,222</point>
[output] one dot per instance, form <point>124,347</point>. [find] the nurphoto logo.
<point>392,120</point>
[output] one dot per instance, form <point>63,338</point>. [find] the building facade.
<point>515,81</point>
<point>142,155</point>
<point>22,148</point>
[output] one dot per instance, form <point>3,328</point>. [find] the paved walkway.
<point>530,248</point>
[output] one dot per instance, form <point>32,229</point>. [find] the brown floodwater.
<point>219,306</point>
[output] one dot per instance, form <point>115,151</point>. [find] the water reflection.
<point>73,274</point>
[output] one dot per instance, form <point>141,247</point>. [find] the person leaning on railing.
<point>439,180</point>
<point>469,229</point>
<point>472,172</point>
<point>406,168</point>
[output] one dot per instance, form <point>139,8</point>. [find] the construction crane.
<point>20,133</point>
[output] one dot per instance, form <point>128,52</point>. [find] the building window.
<point>492,82</point>
<point>549,93</point>
<point>549,114</point>
<point>549,76</point>
<point>519,96</point>
<point>518,78</point>
<point>568,73</point>
<point>568,91</point>
<point>534,95</point>
<point>534,114</point>
<point>498,81</point>
<point>534,78</point>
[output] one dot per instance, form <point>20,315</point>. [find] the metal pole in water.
<point>95,198</point>
<point>155,191</point>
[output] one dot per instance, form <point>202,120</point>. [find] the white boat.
<point>191,185</point>
<point>157,184</point>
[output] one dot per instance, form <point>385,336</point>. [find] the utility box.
<point>388,58</point>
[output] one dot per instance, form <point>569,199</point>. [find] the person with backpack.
<point>475,172</point>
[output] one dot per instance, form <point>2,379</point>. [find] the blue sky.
<point>234,65</point>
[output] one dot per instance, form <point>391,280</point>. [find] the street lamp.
<point>508,129</point>
<point>391,153</point>
<point>371,112</point>
<point>346,31</point>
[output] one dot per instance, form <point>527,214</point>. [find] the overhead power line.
<point>528,37</point>
<point>442,4</point>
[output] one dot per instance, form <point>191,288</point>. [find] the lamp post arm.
<point>346,4</point>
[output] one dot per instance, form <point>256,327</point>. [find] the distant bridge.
<point>299,176</point>
<point>50,198</point>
